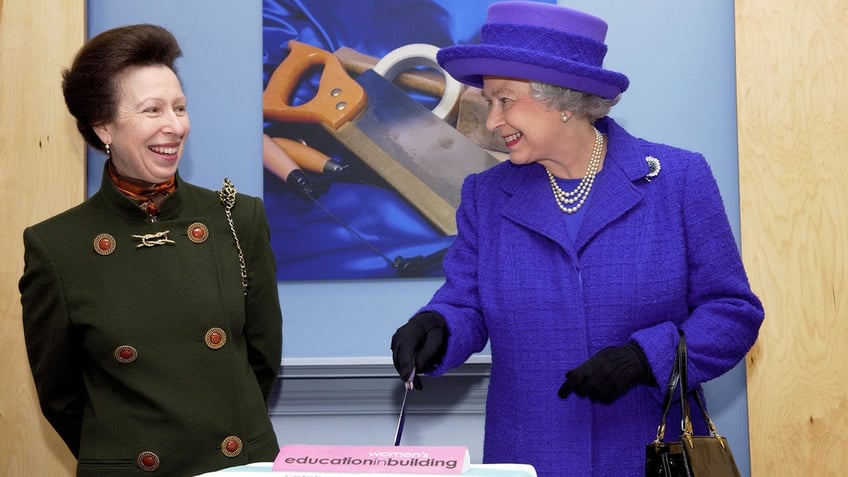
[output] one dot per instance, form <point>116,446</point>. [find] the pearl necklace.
<point>581,192</point>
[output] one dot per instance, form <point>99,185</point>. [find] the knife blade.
<point>424,158</point>
<point>402,417</point>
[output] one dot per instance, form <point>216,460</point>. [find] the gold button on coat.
<point>126,354</point>
<point>197,232</point>
<point>231,446</point>
<point>147,461</point>
<point>104,244</point>
<point>215,338</point>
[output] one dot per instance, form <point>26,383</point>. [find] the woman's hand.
<point>420,344</point>
<point>608,374</point>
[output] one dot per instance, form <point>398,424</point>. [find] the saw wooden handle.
<point>339,98</point>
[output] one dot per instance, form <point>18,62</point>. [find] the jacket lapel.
<point>532,203</point>
<point>616,193</point>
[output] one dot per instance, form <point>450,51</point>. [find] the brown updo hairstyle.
<point>90,85</point>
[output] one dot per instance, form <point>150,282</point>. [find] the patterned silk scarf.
<point>148,196</point>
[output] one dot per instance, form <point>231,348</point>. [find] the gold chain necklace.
<point>581,192</point>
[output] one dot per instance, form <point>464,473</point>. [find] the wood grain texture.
<point>42,172</point>
<point>793,148</point>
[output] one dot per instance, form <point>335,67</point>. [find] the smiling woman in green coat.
<point>150,311</point>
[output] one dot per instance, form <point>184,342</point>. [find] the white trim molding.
<point>370,386</point>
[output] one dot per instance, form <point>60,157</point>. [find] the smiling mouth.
<point>170,151</point>
<point>512,139</point>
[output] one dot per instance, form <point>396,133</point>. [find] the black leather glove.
<point>420,344</point>
<point>608,374</point>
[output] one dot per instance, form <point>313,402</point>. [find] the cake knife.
<point>402,417</point>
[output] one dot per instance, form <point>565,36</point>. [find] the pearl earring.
<point>108,150</point>
<point>565,118</point>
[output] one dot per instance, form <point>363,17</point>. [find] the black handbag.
<point>691,456</point>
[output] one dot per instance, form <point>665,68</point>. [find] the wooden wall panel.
<point>792,64</point>
<point>41,173</point>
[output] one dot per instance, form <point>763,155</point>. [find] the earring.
<point>565,118</point>
<point>108,150</point>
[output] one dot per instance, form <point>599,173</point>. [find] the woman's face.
<point>531,131</point>
<point>148,133</point>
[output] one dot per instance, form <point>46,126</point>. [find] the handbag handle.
<point>679,375</point>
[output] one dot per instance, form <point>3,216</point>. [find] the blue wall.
<point>679,57</point>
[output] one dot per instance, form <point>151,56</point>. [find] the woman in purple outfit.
<point>580,260</point>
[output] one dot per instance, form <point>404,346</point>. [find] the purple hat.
<point>537,42</point>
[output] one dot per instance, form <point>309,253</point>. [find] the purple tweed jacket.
<point>652,256</point>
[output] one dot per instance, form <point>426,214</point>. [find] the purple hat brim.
<point>469,63</point>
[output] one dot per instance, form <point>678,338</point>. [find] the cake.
<point>370,461</point>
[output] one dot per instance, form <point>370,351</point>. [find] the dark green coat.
<point>126,367</point>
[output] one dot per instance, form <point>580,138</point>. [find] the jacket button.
<point>215,338</point>
<point>126,354</point>
<point>147,461</point>
<point>104,244</point>
<point>197,232</point>
<point>231,446</point>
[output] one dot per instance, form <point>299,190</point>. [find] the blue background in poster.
<point>679,57</point>
<point>358,226</point>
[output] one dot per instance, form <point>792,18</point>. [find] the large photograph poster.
<point>364,160</point>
